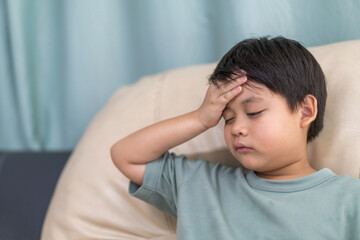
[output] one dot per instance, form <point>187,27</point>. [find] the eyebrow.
<point>247,100</point>
<point>252,99</point>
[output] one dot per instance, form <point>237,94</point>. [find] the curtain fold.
<point>60,61</point>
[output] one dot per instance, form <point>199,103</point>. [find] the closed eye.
<point>250,115</point>
<point>229,120</point>
<point>254,114</point>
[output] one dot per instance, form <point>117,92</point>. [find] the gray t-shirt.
<point>213,201</point>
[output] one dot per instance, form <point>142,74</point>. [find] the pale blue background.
<point>61,60</point>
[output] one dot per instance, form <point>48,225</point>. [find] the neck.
<point>294,170</point>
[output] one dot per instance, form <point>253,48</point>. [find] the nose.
<point>239,128</point>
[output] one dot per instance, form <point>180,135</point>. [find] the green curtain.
<point>60,60</point>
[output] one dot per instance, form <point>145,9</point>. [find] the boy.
<point>272,94</point>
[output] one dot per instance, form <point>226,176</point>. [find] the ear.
<point>308,110</point>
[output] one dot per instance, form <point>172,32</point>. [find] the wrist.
<point>202,122</point>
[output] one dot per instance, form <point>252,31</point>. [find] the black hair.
<point>284,66</point>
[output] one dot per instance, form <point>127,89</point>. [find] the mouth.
<point>241,148</point>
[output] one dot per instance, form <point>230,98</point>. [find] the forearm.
<point>131,154</point>
<point>151,142</point>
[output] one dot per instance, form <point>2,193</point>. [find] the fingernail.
<point>242,71</point>
<point>241,79</point>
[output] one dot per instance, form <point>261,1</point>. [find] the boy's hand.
<point>159,137</point>
<point>216,99</point>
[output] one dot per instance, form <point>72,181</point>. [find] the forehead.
<point>255,88</point>
<point>252,93</point>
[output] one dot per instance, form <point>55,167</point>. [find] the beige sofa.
<point>91,199</point>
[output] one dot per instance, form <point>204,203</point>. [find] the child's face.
<point>262,132</point>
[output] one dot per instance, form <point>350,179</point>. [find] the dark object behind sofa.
<point>27,182</point>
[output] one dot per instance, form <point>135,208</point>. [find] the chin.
<point>251,163</point>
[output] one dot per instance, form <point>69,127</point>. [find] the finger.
<point>228,86</point>
<point>228,96</point>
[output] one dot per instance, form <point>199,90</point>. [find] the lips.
<point>239,147</point>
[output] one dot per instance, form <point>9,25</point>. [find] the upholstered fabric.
<point>91,200</point>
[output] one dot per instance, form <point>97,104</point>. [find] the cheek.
<point>269,132</point>
<point>276,132</point>
<point>227,136</point>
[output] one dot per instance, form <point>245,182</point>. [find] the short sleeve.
<point>163,180</point>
